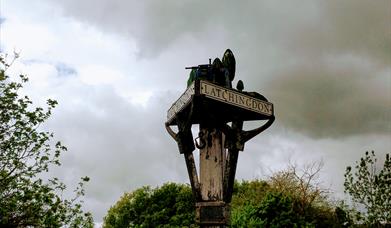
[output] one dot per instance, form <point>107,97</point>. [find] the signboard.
<point>232,97</point>
<point>221,94</point>
<point>181,102</point>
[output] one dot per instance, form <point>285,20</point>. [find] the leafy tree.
<point>246,197</point>
<point>295,192</point>
<point>26,200</point>
<point>345,215</point>
<point>371,188</point>
<point>275,210</point>
<point>249,192</point>
<point>310,199</point>
<point>171,205</point>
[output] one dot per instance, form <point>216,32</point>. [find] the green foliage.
<point>310,200</point>
<point>291,196</point>
<point>246,195</point>
<point>25,152</point>
<point>345,216</point>
<point>275,210</point>
<point>246,192</point>
<point>171,205</point>
<point>371,188</point>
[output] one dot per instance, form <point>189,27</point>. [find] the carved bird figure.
<point>240,86</point>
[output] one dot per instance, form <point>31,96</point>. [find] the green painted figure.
<point>192,77</point>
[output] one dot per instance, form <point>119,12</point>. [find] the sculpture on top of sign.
<point>219,110</point>
<point>220,72</point>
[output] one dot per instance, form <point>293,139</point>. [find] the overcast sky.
<point>116,66</point>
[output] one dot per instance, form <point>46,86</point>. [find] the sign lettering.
<point>222,94</point>
<point>235,98</point>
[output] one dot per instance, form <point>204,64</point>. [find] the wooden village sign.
<point>211,102</point>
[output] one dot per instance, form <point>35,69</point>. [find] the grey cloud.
<point>358,26</point>
<point>322,100</point>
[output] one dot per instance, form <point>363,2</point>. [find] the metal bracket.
<point>202,143</point>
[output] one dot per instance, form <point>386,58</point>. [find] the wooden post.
<point>212,163</point>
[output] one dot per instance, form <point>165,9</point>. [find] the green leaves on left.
<point>27,200</point>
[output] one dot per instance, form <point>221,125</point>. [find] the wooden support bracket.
<point>236,138</point>
<point>184,139</point>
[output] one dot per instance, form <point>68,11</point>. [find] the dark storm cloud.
<point>322,100</point>
<point>339,81</point>
<point>361,28</point>
<point>325,64</point>
<point>355,25</point>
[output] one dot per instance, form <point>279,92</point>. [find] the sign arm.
<point>247,135</point>
<point>184,139</point>
<point>184,125</point>
<point>193,177</point>
<point>171,132</point>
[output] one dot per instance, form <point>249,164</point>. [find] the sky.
<point>116,67</point>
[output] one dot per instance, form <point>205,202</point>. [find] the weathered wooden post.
<point>212,107</point>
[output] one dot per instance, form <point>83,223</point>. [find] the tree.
<point>371,188</point>
<point>275,210</point>
<point>171,205</point>
<point>310,199</point>
<point>27,200</point>
<point>294,196</point>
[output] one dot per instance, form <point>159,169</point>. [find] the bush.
<point>170,205</point>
